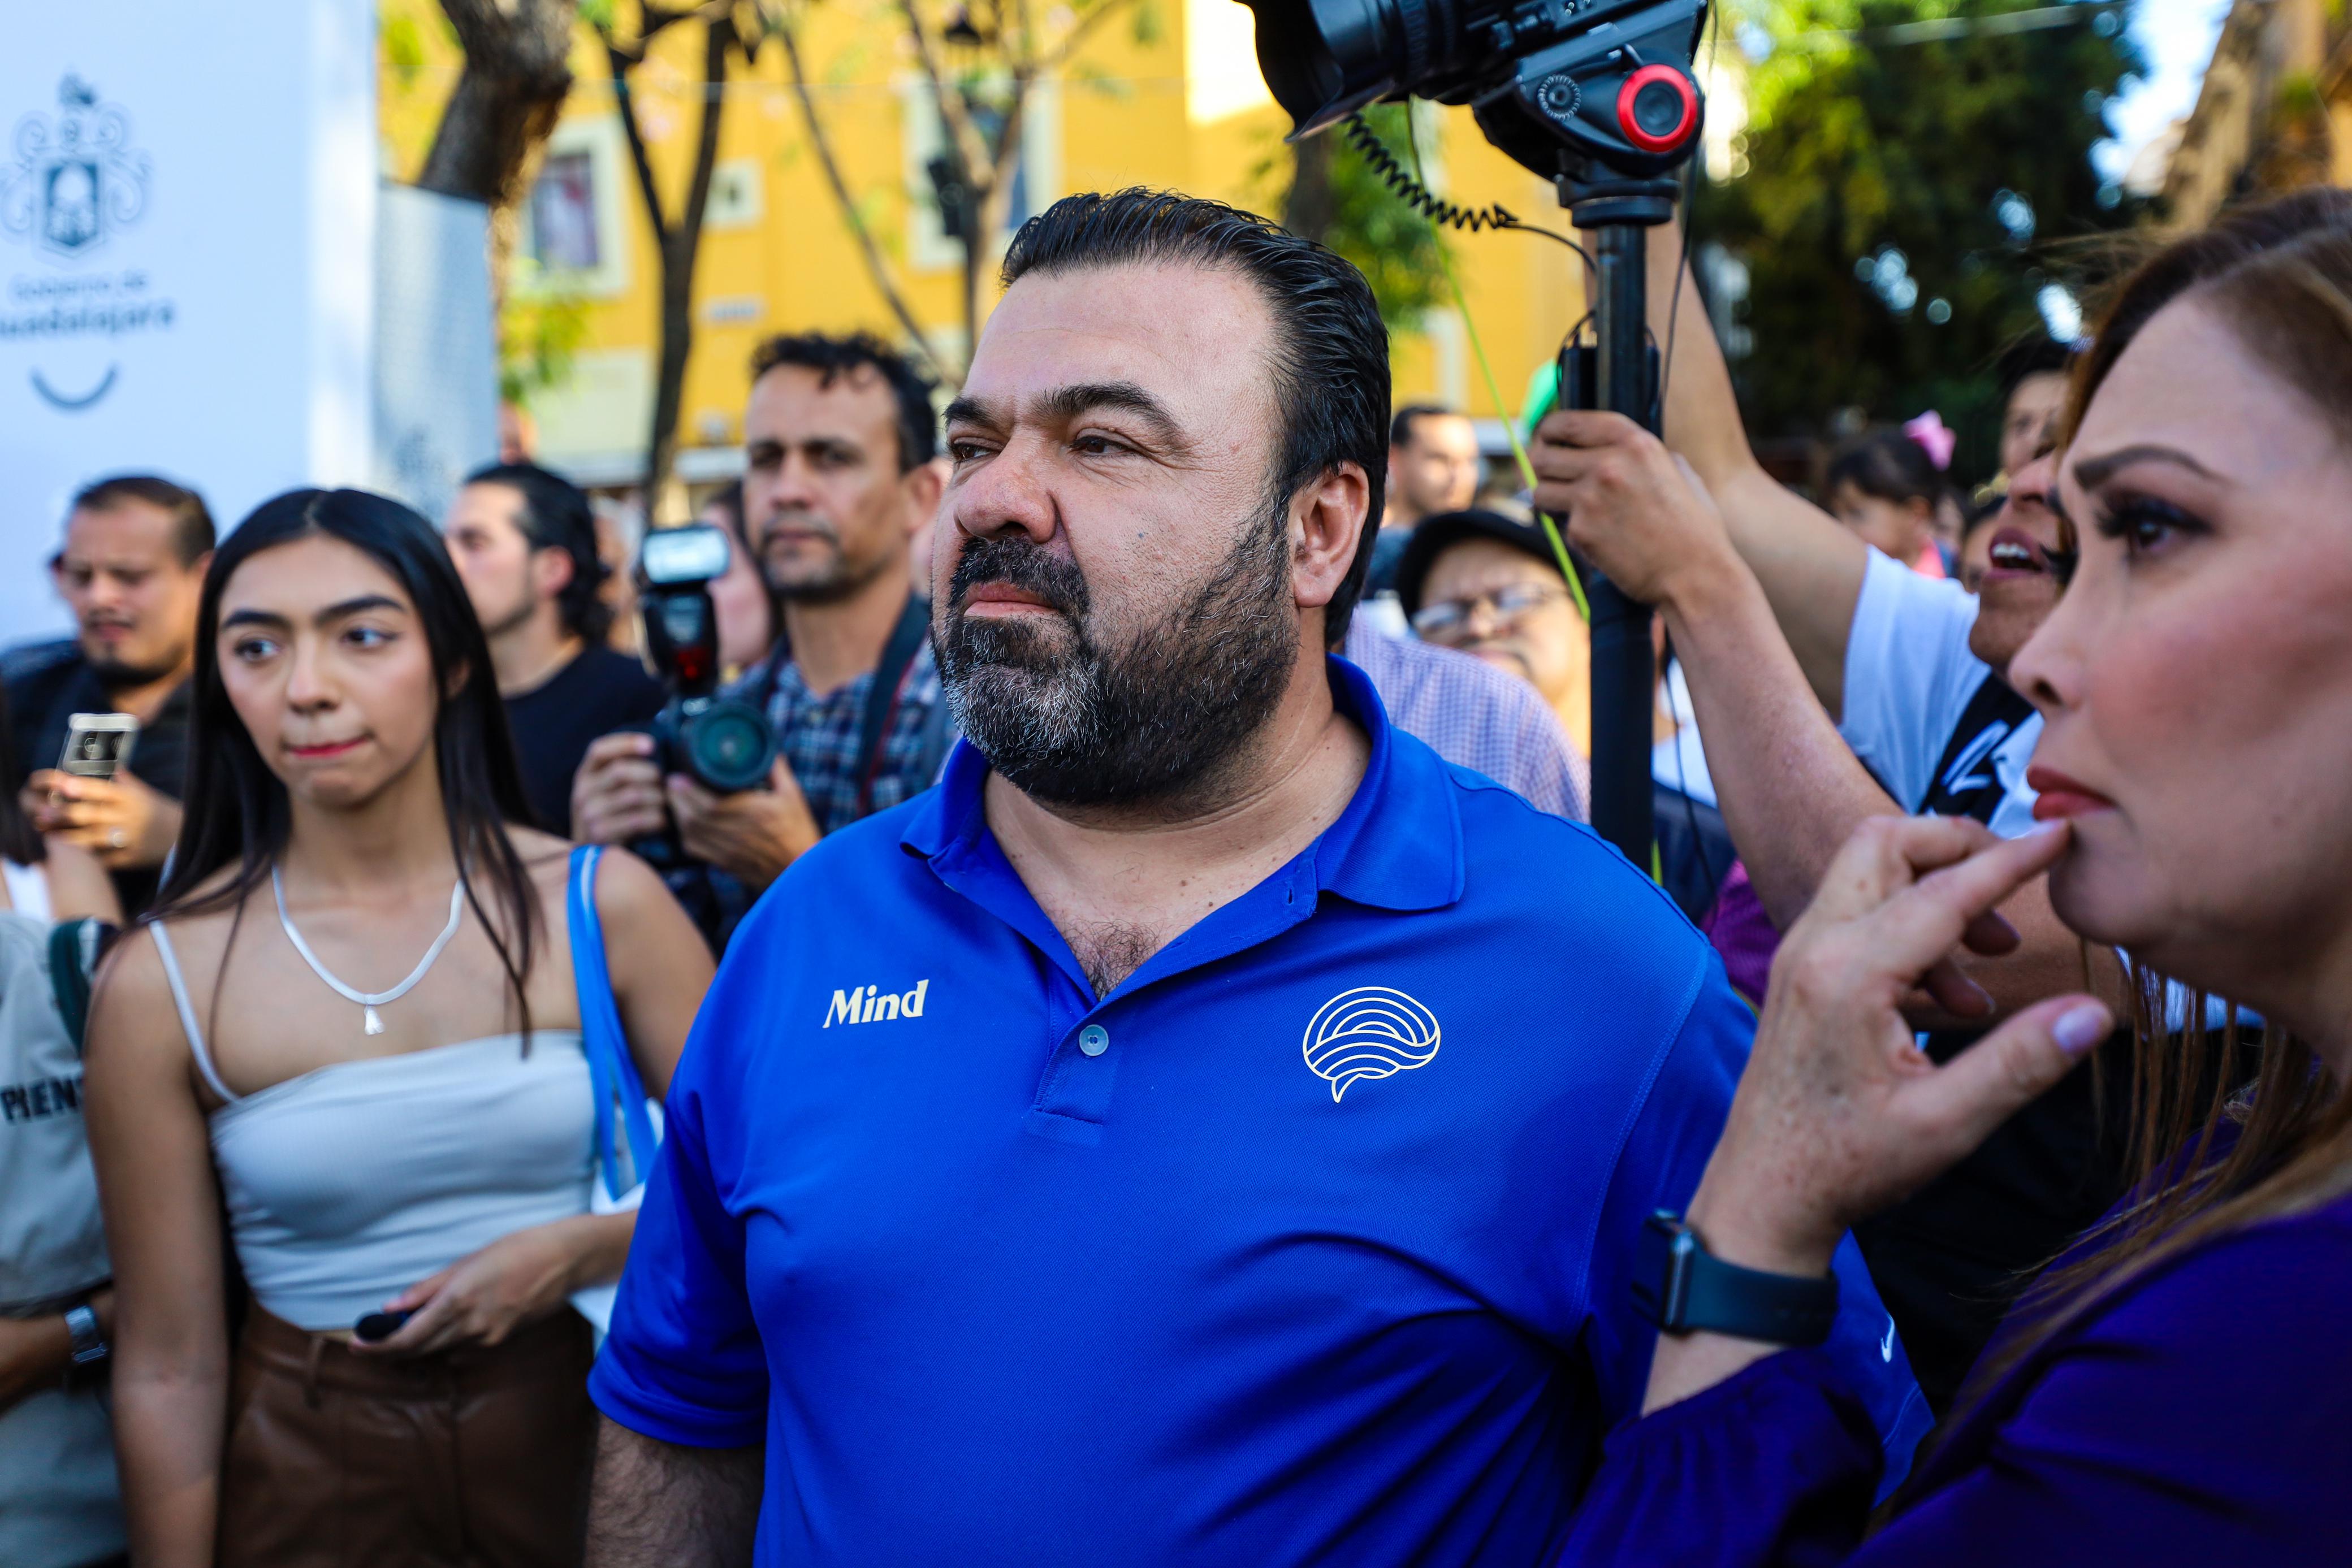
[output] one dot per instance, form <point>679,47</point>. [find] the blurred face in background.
<point>2018,589</point>
<point>1504,606</point>
<point>1903,529</point>
<point>1976,555</point>
<point>2031,421</point>
<point>133,599</point>
<point>824,501</point>
<point>507,579</point>
<point>1435,471</point>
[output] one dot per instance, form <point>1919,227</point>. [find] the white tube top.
<point>349,1182</point>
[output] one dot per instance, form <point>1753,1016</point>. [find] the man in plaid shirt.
<point>838,480</point>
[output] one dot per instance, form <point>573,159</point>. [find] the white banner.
<point>187,248</point>
<point>437,350</point>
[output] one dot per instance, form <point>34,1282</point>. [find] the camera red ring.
<point>1684,89</point>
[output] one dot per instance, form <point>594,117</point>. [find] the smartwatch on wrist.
<point>90,1346</point>
<point>1684,1289</point>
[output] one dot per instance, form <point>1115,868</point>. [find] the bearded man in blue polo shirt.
<point>1207,1127</point>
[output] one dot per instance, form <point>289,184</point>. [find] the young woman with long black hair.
<point>416,1144</point>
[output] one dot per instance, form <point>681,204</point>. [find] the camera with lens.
<point>1561,86</point>
<point>722,744</point>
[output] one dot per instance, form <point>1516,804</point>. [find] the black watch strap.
<point>1683,1288</point>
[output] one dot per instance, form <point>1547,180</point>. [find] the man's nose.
<point>792,484</point>
<point>1006,493</point>
<point>1481,619</point>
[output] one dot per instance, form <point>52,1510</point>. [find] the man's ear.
<point>922,485</point>
<point>1327,518</point>
<point>551,571</point>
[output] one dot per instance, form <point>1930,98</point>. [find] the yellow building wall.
<point>1130,110</point>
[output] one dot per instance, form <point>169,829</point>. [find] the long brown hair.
<point>2281,275</point>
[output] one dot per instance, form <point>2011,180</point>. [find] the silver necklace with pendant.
<point>370,1000</point>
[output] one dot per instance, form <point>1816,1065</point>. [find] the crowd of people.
<point>1273,1128</point>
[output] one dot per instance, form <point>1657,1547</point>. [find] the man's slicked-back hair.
<point>556,515</point>
<point>832,358</point>
<point>192,534</point>
<point>1331,351</point>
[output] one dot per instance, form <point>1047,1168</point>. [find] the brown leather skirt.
<point>470,1458</point>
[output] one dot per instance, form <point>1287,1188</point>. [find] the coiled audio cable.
<point>1428,203</point>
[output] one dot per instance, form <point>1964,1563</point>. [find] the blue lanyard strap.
<point>612,1071</point>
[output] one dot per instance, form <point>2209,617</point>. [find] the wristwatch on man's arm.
<point>1684,1289</point>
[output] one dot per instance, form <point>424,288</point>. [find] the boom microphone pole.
<point>1599,97</point>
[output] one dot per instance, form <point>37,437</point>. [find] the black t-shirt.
<point>554,723</point>
<point>46,688</point>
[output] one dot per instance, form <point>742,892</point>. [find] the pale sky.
<point>2177,36</point>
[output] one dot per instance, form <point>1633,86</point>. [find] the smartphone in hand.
<point>98,744</point>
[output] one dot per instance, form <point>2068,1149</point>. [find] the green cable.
<point>1511,429</point>
<point>1493,390</point>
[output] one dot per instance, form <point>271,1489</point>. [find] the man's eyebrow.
<point>1063,404</point>
<point>2090,472</point>
<point>972,411</point>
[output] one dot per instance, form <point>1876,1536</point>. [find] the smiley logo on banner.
<point>1372,1031</point>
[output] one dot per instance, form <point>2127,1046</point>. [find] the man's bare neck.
<point>1120,885</point>
<point>526,657</point>
<point>145,700</point>
<point>837,641</point>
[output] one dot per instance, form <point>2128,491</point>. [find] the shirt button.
<point>1094,1040</point>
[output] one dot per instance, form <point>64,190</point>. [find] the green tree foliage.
<point>1402,253</point>
<point>1885,173</point>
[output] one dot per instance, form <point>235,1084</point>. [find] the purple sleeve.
<point>1776,1465</point>
<point>2197,1419</point>
<point>1743,935</point>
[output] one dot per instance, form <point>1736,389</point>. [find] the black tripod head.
<point>1584,88</point>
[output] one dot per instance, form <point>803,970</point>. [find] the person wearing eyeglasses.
<point>1487,584</point>
<point>1473,582</point>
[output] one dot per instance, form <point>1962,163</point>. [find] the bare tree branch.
<point>625,105</point>
<point>876,268</point>
<point>955,112</point>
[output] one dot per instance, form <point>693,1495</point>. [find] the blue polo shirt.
<point>1310,1242</point>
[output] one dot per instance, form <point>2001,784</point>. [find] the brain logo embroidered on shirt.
<point>1372,1031</point>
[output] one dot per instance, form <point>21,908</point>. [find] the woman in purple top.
<point>2179,1388</point>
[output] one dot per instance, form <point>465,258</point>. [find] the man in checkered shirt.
<point>838,482</point>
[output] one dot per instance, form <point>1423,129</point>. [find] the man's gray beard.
<point>1145,724</point>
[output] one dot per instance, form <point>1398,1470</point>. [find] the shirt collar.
<point>1397,846</point>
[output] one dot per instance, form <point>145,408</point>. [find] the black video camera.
<point>1557,85</point>
<point>719,742</point>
